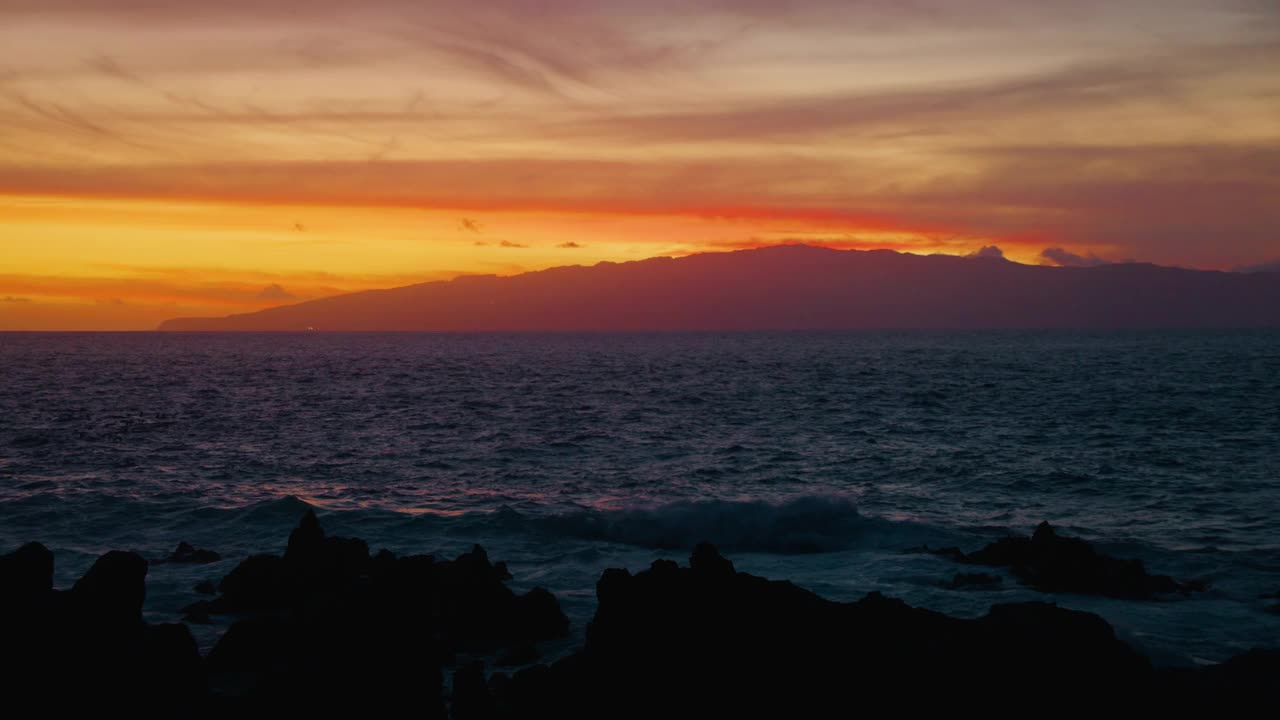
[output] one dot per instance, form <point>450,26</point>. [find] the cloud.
<point>275,292</point>
<point>509,244</point>
<point>1154,202</point>
<point>985,119</point>
<point>1203,205</point>
<point>12,299</point>
<point>738,187</point>
<point>538,49</point>
<point>988,251</point>
<point>1064,258</point>
<point>569,245</point>
<point>943,109</point>
<point>470,225</point>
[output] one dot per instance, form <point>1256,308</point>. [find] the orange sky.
<point>164,158</point>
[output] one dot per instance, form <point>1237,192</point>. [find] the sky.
<point>163,158</point>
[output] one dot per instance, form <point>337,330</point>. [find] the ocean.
<point>820,458</point>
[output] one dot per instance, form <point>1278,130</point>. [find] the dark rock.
<point>90,646</point>
<point>710,641</point>
<point>260,582</point>
<point>536,615</point>
<point>307,540</point>
<point>206,587</point>
<point>313,565</point>
<point>25,574</point>
<point>172,667</point>
<point>471,698</point>
<point>333,620</point>
<point>1274,609</point>
<point>691,642</point>
<point>1269,596</point>
<point>257,645</point>
<point>186,553</point>
<point>334,631</point>
<point>1244,686</point>
<point>706,560</point>
<point>1058,643</point>
<point>115,587</point>
<point>525,654</point>
<point>1044,533</point>
<point>974,581</point>
<point>276,665</point>
<point>1052,563</point>
<point>476,563</point>
<point>664,566</point>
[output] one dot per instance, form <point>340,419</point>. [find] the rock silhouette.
<point>706,640</point>
<point>328,629</point>
<point>335,624</point>
<point>1052,563</point>
<point>88,647</point>
<point>186,553</point>
<point>709,639</point>
<point>28,575</point>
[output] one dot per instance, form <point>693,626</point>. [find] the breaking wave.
<point>810,524</point>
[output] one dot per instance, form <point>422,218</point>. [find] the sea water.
<point>821,458</point>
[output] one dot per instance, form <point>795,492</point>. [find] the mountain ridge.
<point>790,287</point>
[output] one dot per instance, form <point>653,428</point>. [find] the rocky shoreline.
<point>331,629</point>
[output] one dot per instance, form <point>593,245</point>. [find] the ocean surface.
<point>821,458</point>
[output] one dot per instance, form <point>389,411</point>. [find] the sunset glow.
<point>170,158</point>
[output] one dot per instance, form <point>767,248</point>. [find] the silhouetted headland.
<point>792,288</point>
<point>328,629</point>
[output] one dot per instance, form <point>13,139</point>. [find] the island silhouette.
<point>792,287</point>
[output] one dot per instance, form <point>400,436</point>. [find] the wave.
<point>809,524</point>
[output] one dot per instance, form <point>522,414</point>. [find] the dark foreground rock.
<point>1052,563</point>
<point>708,641</point>
<point>328,630</point>
<point>88,647</point>
<point>334,626</point>
<point>187,553</point>
<point>325,630</point>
